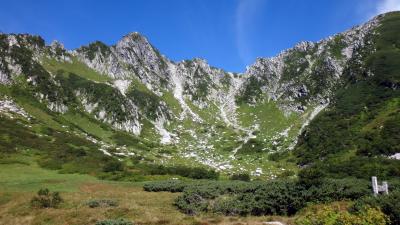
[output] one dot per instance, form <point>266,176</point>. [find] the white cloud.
<point>367,9</point>
<point>384,6</point>
<point>246,21</point>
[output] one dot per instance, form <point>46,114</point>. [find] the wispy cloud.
<point>387,6</point>
<point>373,8</point>
<point>246,21</point>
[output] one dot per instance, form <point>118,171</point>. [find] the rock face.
<point>308,71</point>
<point>132,56</point>
<point>190,103</point>
<point>295,78</point>
<point>8,106</point>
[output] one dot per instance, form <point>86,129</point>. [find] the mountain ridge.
<point>193,109</point>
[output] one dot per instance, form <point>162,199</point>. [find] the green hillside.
<point>354,136</point>
<point>125,134</point>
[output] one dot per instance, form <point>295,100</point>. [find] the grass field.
<point>21,178</point>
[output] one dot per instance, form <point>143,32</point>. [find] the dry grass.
<point>144,208</point>
<point>20,182</point>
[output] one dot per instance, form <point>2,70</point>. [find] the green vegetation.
<point>148,102</point>
<point>296,64</point>
<point>184,171</point>
<point>252,91</point>
<point>325,180</point>
<point>89,125</point>
<point>114,222</point>
<point>166,185</point>
<point>362,121</point>
<point>94,203</point>
<point>171,101</point>
<point>31,177</point>
<point>54,149</point>
<point>334,215</point>
<point>201,87</point>
<point>46,199</point>
<point>75,67</point>
<point>336,46</point>
<point>241,176</point>
<point>107,97</point>
<point>95,47</point>
<point>280,197</point>
<point>389,204</point>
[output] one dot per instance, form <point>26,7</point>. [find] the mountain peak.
<point>134,37</point>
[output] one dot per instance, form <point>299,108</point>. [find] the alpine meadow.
<point>122,135</point>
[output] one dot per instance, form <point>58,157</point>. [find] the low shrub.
<point>184,171</point>
<point>279,197</point>
<point>277,156</point>
<point>274,198</point>
<point>167,185</point>
<point>94,203</point>
<point>114,222</point>
<point>389,204</point>
<point>337,189</point>
<point>46,199</point>
<point>333,215</point>
<point>125,175</point>
<point>287,174</point>
<point>191,203</point>
<point>240,176</point>
<point>230,206</point>
<point>113,166</point>
<point>257,198</point>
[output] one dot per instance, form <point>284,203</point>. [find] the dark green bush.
<point>230,206</point>
<point>274,198</point>
<point>94,203</point>
<point>252,91</point>
<point>113,166</point>
<point>114,222</point>
<point>309,177</point>
<point>280,197</point>
<point>167,185</point>
<point>286,174</point>
<point>184,171</point>
<point>337,189</point>
<point>125,175</point>
<point>93,48</point>
<point>241,176</point>
<point>191,202</point>
<point>277,156</point>
<point>46,199</point>
<point>356,166</point>
<point>257,198</point>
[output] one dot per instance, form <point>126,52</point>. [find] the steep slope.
<point>130,100</point>
<point>360,128</point>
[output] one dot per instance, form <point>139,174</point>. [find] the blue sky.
<point>229,34</point>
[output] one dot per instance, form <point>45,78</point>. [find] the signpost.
<point>384,188</point>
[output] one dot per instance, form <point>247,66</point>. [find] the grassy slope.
<point>75,67</point>
<point>89,125</point>
<point>363,118</point>
<point>224,139</point>
<point>134,203</point>
<point>31,177</point>
<point>146,208</point>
